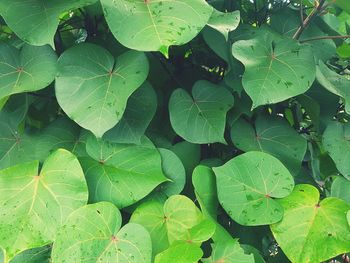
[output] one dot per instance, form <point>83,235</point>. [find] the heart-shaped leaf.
<point>169,222</point>
<point>272,135</point>
<point>121,173</point>
<point>224,22</point>
<point>36,21</point>
<point>138,114</point>
<point>180,251</point>
<point>228,252</point>
<point>200,118</point>
<point>275,70</point>
<point>322,225</point>
<point>93,234</point>
<point>92,87</point>
<point>335,83</point>
<point>155,25</point>
<point>34,206</point>
<point>28,69</point>
<point>336,141</point>
<point>247,185</point>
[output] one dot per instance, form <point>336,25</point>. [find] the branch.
<point>317,9</point>
<point>323,37</point>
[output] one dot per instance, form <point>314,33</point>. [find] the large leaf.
<point>341,189</point>
<point>93,234</point>
<point>312,231</point>
<point>336,141</point>
<point>155,25</point>
<point>248,184</point>
<point>169,222</point>
<point>17,147</point>
<point>272,135</point>
<point>121,173</point>
<point>202,117</point>
<point>335,83</point>
<point>36,21</point>
<point>228,252</point>
<point>275,69</point>
<point>28,69</point>
<point>138,114</point>
<point>93,87</point>
<point>34,205</point>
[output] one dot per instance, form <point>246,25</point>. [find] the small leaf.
<point>200,118</point>
<point>34,206</point>
<point>247,185</point>
<point>34,255</point>
<point>28,69</point>
<point>272,135</point>
<point>169,222</point>
<point>336,141</point>
<point>155,25</point>
<point>93,87</point>
<point>121,173</point>
<point>341,189</point>
<point>275,69</point>
<point>174,170</point>
<point>228,252</point>
<point>36,21</point>
<point>321,224</point>
<point>224,22</point>
<point>180,251</point>
<point>93,234</point>
<point>138,114</point>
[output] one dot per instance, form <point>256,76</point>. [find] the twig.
<point>301,11</point>
<point>323,37</point>
<point>308,19</point>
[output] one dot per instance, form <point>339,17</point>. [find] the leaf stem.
<point>323,37</point>
<point>317,9</point>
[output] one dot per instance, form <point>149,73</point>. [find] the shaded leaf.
<point>224,22</point>
<point>200,118</point>
<point>341,189</point>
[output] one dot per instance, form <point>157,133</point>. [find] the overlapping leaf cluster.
<point>174,131</point>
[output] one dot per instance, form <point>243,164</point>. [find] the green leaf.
<point>228,252</point>
<point>174,170</point>
<point>247,185</point>
<point>336,141</point>
<point>335,83</point>
<point>341,189</point>
<point>36,21</point>
<point>93,87</point>
<point>121,173</point>
<point>200,118</point>
<point>343,4</point>
<point>169,222</point>
<point>27,69</point>
<point>180,251</point>
<point>138,114</point>
<point>155,25</point>
<point>34,206</point>
<point>224,22</point>
<point>275,69</point>
<point>272,135</point>
<point>93,234</point>
<point>17,147</point>
<point>34,255</point>
<point>309,226</point>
